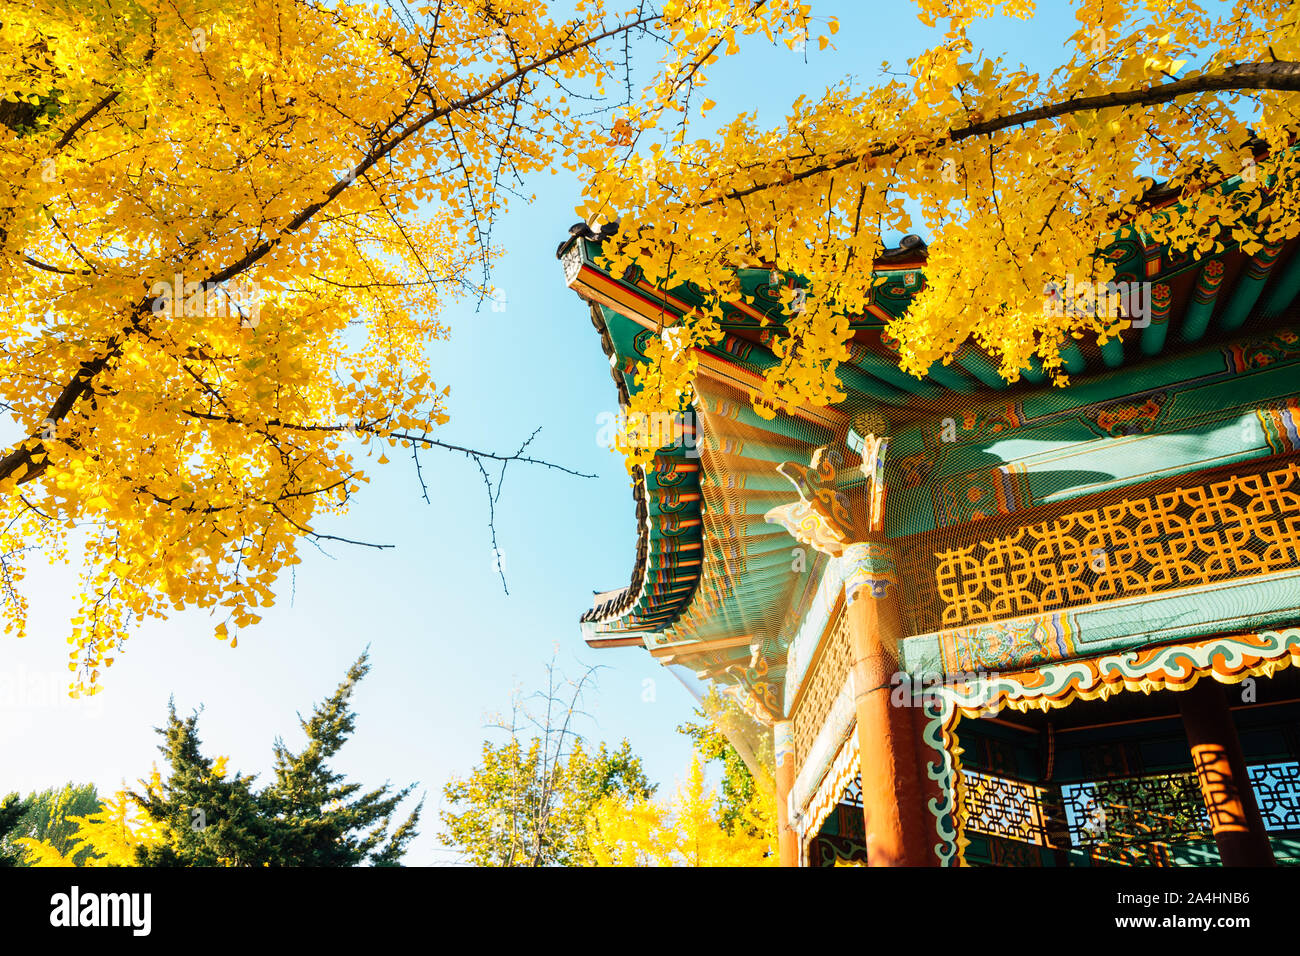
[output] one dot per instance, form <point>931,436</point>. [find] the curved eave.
<point>1196,301</point>
<point>669,537</point>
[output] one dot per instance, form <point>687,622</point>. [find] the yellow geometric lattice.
<point>1242,527</point>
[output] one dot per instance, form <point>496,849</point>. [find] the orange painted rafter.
<point>702,647</point>
<point>616,642</point>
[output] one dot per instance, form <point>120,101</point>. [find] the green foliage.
<point>308,815</point>
<point>323,820</point>
<point>45,816</point>
<point>12,809</point>
<point>212,821</point>
<point>739,786</point>
<point>530,804</point>
<point>1140,812</point>
<point>521,808</point>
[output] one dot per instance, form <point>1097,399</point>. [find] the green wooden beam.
<point>1033,372</point>
<point>758,357</point>
<point>1112,352</point>
<point>1072,358</point>
<point>887,370</point>
<point>1201,307</point>
<point>950,377</point>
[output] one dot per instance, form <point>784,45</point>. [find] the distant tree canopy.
<point>541,798</point>
<point>48,817</point>
<point>523,807</point>
<point>12,809</point>
<point>199,814</point>
<point>529,801</point>
<point>695,827</point>
<point>741,786</point>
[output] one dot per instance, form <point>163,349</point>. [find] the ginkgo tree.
<point>111,836</point>
<point>228,229</point>
<point>1015,179</point>
<point>689,829</point>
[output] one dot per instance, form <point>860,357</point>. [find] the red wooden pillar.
<point>1221,769</point>
<point>787,837</point>
<point>891,785</point>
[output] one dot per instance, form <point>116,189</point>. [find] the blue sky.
<point>447,646</point>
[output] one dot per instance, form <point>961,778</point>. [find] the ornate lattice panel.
<point>1130,810</point>
<point>1277,791</point>
<point>1136,854</point>
<point>829,672</point>
<point>1243,526</point>
<point>1124,821</point>
<point>1003,807</point>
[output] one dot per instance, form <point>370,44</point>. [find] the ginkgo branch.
<point>1281,76</point>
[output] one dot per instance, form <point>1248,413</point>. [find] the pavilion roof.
<point>711,585</point>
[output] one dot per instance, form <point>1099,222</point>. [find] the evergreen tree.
<point>317,820</point>
<point>12,809</point>
<point>308,816</point>
<point>211,821</point>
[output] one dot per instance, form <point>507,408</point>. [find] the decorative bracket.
<point>820,518</point>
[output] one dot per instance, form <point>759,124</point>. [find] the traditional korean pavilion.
<point>992,623</point>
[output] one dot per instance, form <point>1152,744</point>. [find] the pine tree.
<point>318,822</point>
<point>308,816</point>
<point>212,821</point>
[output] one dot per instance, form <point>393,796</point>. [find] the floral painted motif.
<point>981,494</point>
<point>1007,645</point>
<point>1131,417</point>
<point>1279,347</point>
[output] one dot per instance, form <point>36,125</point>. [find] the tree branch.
<point>1283,76</point>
